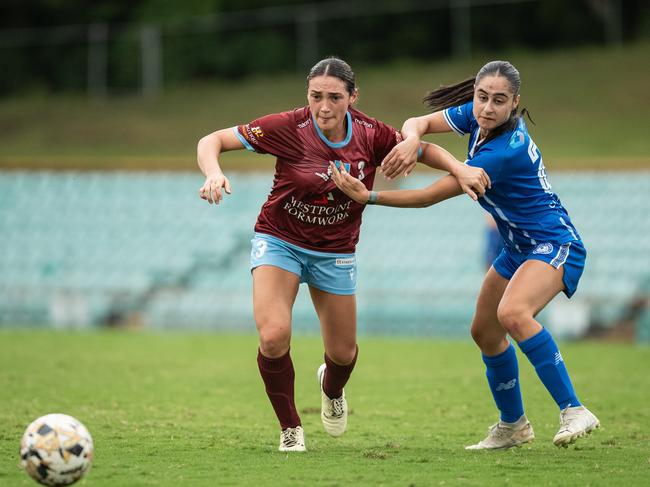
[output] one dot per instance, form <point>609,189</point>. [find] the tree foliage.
<point>201,39</point>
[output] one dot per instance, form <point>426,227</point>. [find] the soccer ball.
<point>56,449</point>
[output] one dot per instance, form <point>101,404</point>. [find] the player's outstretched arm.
<point>473,180</point>
<point>207,153</point>
<point>443,189</point>
<point>402,158</point>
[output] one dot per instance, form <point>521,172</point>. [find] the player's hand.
<point>351,186</point>
<point>211,189</point>
<point>401,159</point>
<point>473,180</point>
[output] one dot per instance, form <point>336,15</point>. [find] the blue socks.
<point>543,353</point>
<point>503,377</point>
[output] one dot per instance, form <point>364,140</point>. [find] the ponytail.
<point>450,96</point>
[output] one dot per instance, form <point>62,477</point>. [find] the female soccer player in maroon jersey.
<point>308,229</point>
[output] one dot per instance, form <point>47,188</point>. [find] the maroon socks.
<point>336,376</point>
<point>278,376</point>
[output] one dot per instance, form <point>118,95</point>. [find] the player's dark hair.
<point>450,96</point>
<point>463,92</point>
<point>333,66</point>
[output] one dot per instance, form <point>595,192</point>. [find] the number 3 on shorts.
<point>259,247</point>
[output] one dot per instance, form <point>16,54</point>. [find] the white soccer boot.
<point>334,412</point>
<point>292,439</point>
<point>575,423</point>
<point>506,435</point>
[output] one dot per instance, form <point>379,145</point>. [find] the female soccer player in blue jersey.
<point>543,252</point>
<point>308,229</point>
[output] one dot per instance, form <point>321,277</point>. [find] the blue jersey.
<point>527,212</point>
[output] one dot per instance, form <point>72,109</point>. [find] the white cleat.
<point>292,439</point>
<point>506,435</point>
<point>575,423</point>
<point>334,412</point>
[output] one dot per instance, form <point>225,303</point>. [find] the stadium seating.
<point>83,248</point>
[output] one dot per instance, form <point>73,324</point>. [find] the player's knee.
<point>513,318</point>
<point>274,341</point>
<point>485,337</point>
<point>479,334</point>
<point>342,354</point>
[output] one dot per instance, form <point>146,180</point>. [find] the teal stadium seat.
<point>98,244</point>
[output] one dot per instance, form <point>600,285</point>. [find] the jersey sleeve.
<point>271,134</point>
<point>460,118</point>
<point>386,137</point>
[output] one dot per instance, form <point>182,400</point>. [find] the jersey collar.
<point>329,143</point>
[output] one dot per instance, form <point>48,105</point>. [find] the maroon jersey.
<point>305,207</point>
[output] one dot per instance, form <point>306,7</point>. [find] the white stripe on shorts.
<point>562,255</point>
<point>573,234</point>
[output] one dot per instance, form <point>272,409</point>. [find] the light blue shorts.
<point>329,272</point>
<point>571,255</point>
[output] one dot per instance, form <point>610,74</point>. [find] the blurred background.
<point>102,104</point>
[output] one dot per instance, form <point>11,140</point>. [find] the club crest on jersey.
<point>347,165</point>
<point>543,249</point>
<point>517,139</point>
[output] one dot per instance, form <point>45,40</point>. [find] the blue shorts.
<point>493,245</point>
<point>329,272</point>
<point>571,255</point>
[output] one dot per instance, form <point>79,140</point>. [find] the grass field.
<point>189,409</point>
<point>587,103</point>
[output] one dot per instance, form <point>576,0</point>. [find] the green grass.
<point>189,409</point>
<point>589,105</point>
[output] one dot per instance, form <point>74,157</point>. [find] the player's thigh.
<point>274,292</point>
<point>487,332</point>
<point>337,314</point>
<point>531,288</point>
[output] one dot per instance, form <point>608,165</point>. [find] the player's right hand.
<point>211,189</point>
<point>351,186</point>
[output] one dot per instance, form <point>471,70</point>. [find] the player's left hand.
<point>473,180</point>
<point>351,186</point>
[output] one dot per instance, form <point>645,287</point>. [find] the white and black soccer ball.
<point>56,449</point>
